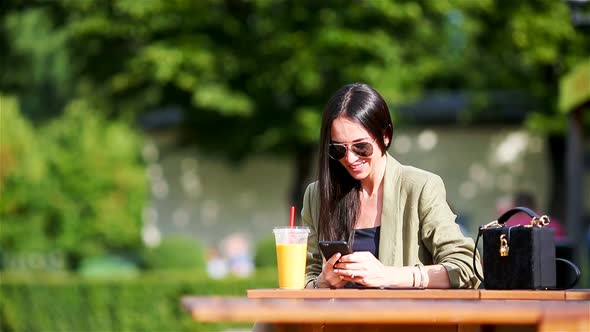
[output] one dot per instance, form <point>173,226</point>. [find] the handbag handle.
<point>475,254</point>
<point>574,268</point>
<point>535,217</point>
<point>499,223</point>
<point>508,214</point>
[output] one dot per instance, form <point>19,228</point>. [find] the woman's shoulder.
<point>413,175</point>
<point>312,187</point>
<point>311,191</point>
<point>311,203</point>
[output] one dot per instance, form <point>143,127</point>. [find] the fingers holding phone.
<point>363,268</point>
<point>328,275</point>
<point>329,248</point>
<point>332,252</point>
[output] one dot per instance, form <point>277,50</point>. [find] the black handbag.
<point>519,257</point>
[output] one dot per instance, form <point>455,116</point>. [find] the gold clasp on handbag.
<point>503,246</point>
<point>493,224</point>
<point>540,222</point>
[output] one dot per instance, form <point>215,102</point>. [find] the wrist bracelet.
<point>421,270</point>
<point>413,277</point>
<point>314,283</point>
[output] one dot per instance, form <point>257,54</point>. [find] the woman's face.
<point>347,132</point>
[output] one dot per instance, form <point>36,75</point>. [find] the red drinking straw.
<point>292,220</point>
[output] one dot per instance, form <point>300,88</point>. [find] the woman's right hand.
<point>328,278</point>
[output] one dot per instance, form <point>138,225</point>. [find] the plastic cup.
<point>291,245</point>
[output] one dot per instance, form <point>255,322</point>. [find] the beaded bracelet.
<point>421,275</point>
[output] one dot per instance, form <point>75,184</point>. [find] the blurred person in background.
<point>395,217</point>
<point>503,204</point>
<point>216,265</point>
<point>236,249</point>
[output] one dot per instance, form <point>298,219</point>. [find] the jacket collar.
<point>390,228</point>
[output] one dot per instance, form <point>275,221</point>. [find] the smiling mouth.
<point>357,166</point>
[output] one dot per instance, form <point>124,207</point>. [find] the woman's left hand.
<point>363,268</point>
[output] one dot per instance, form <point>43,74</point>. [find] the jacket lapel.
<point>390,227</point>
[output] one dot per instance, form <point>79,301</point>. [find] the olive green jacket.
<point>417,226</point>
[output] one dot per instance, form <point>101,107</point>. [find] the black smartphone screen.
<point>329,248</point>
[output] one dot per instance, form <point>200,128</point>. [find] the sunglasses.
<point>337,151</point>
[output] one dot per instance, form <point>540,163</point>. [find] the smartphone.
<point>329,248</point>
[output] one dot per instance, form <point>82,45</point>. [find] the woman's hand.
<point>363,268</point>
<point>328,277</point>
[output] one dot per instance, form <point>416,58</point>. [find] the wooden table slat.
<point>385,311</point>
<point>521,294</point>
<point>458,294</point>
<point>363,293</point>
<point>577,294</point>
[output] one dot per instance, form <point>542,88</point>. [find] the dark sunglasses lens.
<point>362,149</point>
<point>337,151</point>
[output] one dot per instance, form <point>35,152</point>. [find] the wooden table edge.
<point>207,309</point>
<point>577,294</point>
<point>459,294</point>
<point>275,293</point>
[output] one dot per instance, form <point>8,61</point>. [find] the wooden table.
<point>434,294</point>
<point>400,310</point>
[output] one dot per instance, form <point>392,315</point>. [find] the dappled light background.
<point>147,148</point>
<point>209,199</point>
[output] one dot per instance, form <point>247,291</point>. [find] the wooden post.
<point>575,189</point>
<point>574,99</point>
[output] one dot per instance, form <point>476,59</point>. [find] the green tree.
<point>77,184</point>
<point>526,46</point>
<point>23,172</point>
<point>252,76</point>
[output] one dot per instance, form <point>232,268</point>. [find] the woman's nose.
<point>350,156</point>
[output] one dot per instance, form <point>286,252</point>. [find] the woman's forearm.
<point>430,276</point>
<point>436,276</point>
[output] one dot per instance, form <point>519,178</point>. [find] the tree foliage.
<point>77,184</point>
<point>251,77</point>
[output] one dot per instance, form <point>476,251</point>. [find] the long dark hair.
<point>339,191</point>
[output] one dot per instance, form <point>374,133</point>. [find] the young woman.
<point>394,217</point>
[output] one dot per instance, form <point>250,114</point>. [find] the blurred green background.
<point>147,148</point>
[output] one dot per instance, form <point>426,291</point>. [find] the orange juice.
<point>291,260</point>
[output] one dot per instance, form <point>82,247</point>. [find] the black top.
<point>367,239</point>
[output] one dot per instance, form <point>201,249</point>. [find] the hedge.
<point>146,303</point>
